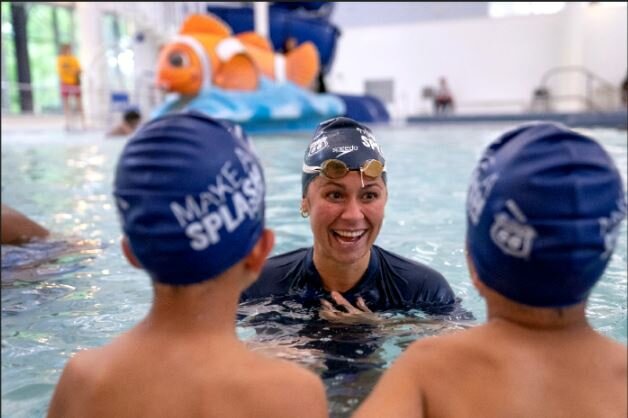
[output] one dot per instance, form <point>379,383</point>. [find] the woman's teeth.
<point>350,235</point>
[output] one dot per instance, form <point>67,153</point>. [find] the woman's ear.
<point>128,252</point>
<point>305,207</point>
<point>257,257</point>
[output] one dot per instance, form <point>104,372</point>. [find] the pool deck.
<point>615,119</point>
<point>28,122</point>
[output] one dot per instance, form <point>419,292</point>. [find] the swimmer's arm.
<point>18,229</point>
<point>397,393</point>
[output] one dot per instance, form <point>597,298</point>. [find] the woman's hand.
<point>351,314</point>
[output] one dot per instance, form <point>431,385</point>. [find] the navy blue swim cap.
<point>342,139</point>
<point>544,209</point>
<point>190,194</point>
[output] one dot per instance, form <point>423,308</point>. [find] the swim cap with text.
<point>342,139</point>
<point>544,209</point>
<point>190,194</point>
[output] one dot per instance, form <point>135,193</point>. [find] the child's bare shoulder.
<point>286,386</point>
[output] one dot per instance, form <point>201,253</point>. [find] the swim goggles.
<point>337,169</point>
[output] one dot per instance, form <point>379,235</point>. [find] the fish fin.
<point>255,39</point>
<point>303,64</point>
<point>205,24</point>
<point>238,73</point>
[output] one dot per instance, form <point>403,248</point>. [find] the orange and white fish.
<point>206,53</point>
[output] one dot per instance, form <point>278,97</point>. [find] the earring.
<point>304,213</point>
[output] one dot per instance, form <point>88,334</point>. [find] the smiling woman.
<point>344,194</point>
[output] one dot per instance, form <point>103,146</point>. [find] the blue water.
<point>76,291</point>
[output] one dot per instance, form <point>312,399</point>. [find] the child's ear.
<point>477,283</point>
<point>257,257</point>
<point>128,252</point>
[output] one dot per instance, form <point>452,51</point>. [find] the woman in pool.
<point>344,195</point>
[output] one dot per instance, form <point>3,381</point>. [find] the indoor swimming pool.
<point>76,291</point>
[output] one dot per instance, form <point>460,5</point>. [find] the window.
<point>117,36</point>
<point>504,9</point>
<point>382,89</point>
<point>43,35</point>
<point>607,3</point>
<point>10,101</point>
<point>47,26</point>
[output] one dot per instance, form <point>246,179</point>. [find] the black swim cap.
<point>342,139</point>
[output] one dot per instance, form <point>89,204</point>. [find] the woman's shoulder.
<point>420,283</point>
<point>399,262</point>
<point>278,273</point>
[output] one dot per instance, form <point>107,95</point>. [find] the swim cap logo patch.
<point>511,233</point>
<point>224,205</point>
<point>318,145</point>
<point>344,150</point>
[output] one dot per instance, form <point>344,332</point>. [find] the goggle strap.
<point>311,169</point>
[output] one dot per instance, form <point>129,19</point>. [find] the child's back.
<point>190,192</point>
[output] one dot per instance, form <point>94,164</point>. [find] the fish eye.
<point>177,59</point>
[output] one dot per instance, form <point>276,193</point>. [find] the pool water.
<point>76,291</point>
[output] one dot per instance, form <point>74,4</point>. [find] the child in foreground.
<point>190,195</point>
<point>544,210</point>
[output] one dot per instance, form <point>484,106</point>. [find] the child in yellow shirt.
<point>69,70</point>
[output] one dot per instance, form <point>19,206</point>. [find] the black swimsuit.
<point>390,282</point>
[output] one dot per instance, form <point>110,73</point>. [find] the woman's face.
<point>345,217</point>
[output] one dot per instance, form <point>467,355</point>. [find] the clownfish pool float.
<point>205,53</point>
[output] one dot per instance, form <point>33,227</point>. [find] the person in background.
<point>29,250</point>
<point>18,229</point>
<point>69,70</point>
<point>544,209</point>
<point>344,194</point>
<point>443,99</point>
<point>131,119</point>
<point>190,196</point>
